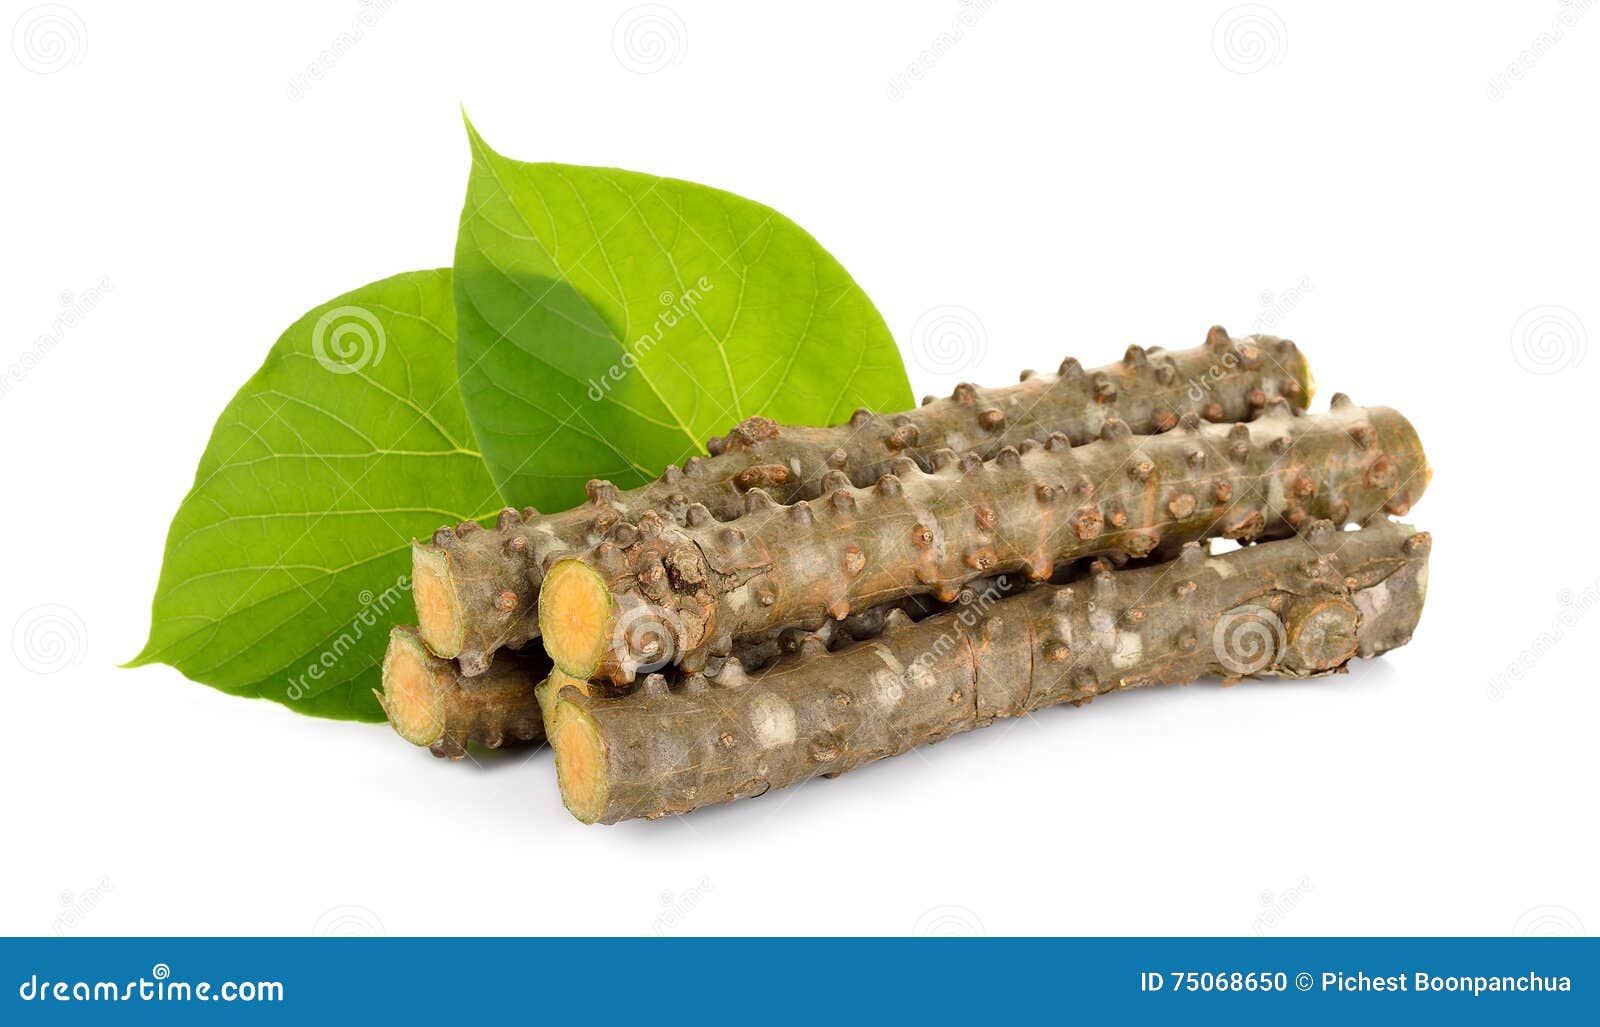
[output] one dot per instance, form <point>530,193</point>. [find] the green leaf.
<point>290,557</point>
<point>610,322</point>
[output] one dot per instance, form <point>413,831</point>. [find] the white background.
<point>1077,177</point>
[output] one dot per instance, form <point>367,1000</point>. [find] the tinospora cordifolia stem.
<point>476,588</point>
<point>430,703</point>
<point>1295,608</point>
<point>685,594</point>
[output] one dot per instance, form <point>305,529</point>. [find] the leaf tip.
<point>144,658</point>
<point>475,140</point>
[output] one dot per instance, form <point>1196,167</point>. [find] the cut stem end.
<point>580,761</point>
<point>575,612</point>
<point>549,691</point>
<point>439,617</point>
<point>411,690</point>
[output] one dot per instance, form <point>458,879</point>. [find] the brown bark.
<point>1293,608</point>
<point>476,588</point>
<point>430,703</point>
<point>687,594</point>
